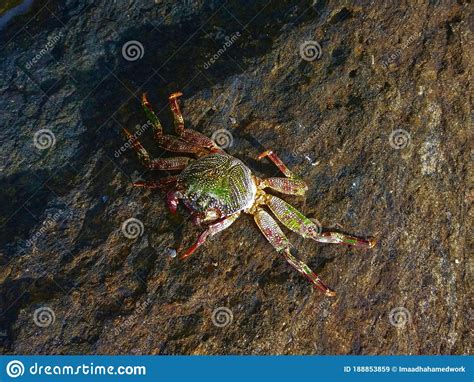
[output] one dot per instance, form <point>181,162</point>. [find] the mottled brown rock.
<point>383,67</point>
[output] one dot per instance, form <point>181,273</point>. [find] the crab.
<point>217,188</point>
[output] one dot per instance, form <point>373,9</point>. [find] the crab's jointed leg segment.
<point>277,238</point>
<point>168,142</point>
<point>279,163</point>
<point>178,117</point>
<point>292,218</point>
<point>191,136</point>
<point>152,117</point>
<point>162,183</point>
<point>340,238</point>
<point>176,163</point>
<point>210,231</point>
<point>297,222</point>
<point>289,186</point>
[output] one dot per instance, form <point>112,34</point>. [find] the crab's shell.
<point>217,182</point>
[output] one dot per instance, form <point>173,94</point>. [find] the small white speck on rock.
<point>171,252</point>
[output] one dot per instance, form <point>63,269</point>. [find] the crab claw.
<point>211,230</point>
<point>172,201</point>
<point>201,239</point>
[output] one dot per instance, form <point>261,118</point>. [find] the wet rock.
<point>373,115</point>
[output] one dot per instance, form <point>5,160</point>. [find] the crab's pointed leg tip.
<point>145,98</point>
<point>175,95</point>
<point>330,293</point>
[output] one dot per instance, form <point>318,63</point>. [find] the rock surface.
<point>72,282</point>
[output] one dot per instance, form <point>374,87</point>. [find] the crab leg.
<point>178,117</point>
<point>277,238</point>
<point>168,142</point>
<point>279,163</point>
<point>162,183</point>
<point>191,136</point>
<point>297,222</point>
<point>210,231</point>
<point>176,163</point>
<point>289,186</point>
<point>172,197</point>
<point>340,238</point>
